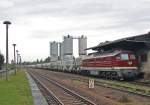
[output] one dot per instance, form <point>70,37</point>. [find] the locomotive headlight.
<point>130,62</point>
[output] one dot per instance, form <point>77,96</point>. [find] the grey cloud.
<point>71,7</point>
<point>44,34</point>
<point>65,7</point>
<point>123,12</point>
<point>40,34</point>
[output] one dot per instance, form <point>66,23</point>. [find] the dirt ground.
<point>99,95</point>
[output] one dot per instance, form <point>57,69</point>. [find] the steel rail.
<point>141,83</point>
<point>50,93</point>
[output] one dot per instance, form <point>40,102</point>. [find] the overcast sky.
<point>36,22</point>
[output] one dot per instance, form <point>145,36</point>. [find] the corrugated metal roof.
<point>130,42</point>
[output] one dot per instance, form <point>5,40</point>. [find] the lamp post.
<point>17,58</point>
<point>20,61</point>
<point>7,24</point>
<point>14,57</point>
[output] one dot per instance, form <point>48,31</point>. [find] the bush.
<point>147,76</point>
<point>1,60</point>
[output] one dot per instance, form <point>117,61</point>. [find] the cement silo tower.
<point>68,45</point>
<point>82,45</point>
<point>54,50</point>
<point>61,50</point>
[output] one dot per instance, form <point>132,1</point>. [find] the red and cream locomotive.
<point>114,65</point>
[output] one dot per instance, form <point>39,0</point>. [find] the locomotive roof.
<point>129,43</point>
<point>105,54</point>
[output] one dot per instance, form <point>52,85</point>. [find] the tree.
<point>41,60</point>
<point>48,59</point>
<point>1,60</point>
<point>37,61</point>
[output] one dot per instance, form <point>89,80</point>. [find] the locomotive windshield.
<point>124,57</point>
<point>127,57</point>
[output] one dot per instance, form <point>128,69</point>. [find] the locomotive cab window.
<point>124,57</point>
<point>132,57</point>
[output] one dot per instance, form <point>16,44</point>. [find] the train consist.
<point>115,64</point>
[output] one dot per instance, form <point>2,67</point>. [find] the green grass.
<point>16,90</point>
<point>128,86</point>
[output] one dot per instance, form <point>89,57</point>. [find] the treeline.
<point>38,61</point>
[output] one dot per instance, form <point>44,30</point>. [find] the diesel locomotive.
<point>114,65</point>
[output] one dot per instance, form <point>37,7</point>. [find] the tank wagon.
<point>117,64</point>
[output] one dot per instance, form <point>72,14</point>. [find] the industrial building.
<point>64,50</point>
<point>68,45</point>
<point>54,51</point>
<point>82,45</point>
<point>61,50</point>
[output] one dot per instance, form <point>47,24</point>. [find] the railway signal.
<point>91,83</point>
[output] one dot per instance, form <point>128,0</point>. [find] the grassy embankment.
<point>16,90</point>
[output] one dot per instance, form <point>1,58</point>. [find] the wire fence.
<point>3,72</point>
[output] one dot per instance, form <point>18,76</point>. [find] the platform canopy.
<point>120,44</point>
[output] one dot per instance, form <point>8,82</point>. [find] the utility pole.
<point>7,24</point>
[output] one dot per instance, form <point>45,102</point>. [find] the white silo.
<point>82,45</point>
<point>54,50</point>
<point>68,45</point>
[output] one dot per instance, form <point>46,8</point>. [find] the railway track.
<point>57,94</point>
<point>128,87</point>
<point>49,96</point>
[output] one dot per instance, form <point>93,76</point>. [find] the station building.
<point>139,44</point>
